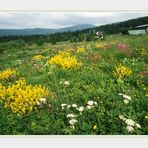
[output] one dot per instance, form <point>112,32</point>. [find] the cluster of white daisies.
<point>130,124</point>
<point>72,117</point>
<point>90,105</point>
<point>126,98</point>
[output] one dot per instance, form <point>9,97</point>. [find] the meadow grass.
<point>93,80</point>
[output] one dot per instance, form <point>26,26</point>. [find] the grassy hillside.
<point>85,88</point>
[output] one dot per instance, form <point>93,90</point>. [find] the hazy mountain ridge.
<point>84,28</point>
<point>36,31</point>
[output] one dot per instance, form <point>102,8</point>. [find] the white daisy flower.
<point>63,105</point>
<point>122,117</point>
<point>74,105</point>
<point>130,122</point>
<point>126,101</point>
<point>72,126</point>
<point>120,94</point>
<point>80,109</point>
<point>88,107</point>
<point>138,125</point>
<point>71,116</point>
<point>66,83</point>
<point>43,100</point>
<point>130,129</point>
<point>38,103</point>
<point>90,103</point>
<point>72,121</point>
<point>95,103</point>
<point>127,97</point>
<point>68,106</point>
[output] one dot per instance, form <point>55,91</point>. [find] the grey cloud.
<point>61,19</point>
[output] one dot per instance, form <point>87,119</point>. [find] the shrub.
<point>65,60</point>
<point>22,98</point>
<point>6,74</point>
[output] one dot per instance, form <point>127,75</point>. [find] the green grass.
<point>94,80</point>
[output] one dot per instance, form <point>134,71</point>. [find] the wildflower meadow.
<point>82,88</point>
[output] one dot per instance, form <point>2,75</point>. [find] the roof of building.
<point>142,26</point>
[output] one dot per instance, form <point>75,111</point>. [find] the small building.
<point>99,34</point>
<point>142,29</point>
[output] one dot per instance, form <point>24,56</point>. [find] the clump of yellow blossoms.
<point>6,74</point>
<point>37,57</point>
<point>122,71</point>
<point>80,50</point>
<point>22,98</point>
<point>64,60</point>
<point>99,45</point>
<point>143,52</point>
<point>94,127</point>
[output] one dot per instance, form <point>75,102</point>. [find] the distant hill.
<point>76,27</point>
<point>43,31</point>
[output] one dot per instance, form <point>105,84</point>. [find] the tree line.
<point>78,36</point>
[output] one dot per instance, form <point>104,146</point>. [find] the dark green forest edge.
<point>78,36</point>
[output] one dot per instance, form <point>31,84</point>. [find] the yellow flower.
<point>143,52</point>
<point>64,60</point>
<point>22,98</point>
<point>80,50</point>
<point>94,127</point>
<point>6,74</point>
<point>146,117</point>
<point>37,57</point>
<point>122,71</point>
<point>99,45</point>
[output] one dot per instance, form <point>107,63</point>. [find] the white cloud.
<point>61,19</point>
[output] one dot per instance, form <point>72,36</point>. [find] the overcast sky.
<point>20,20</point>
